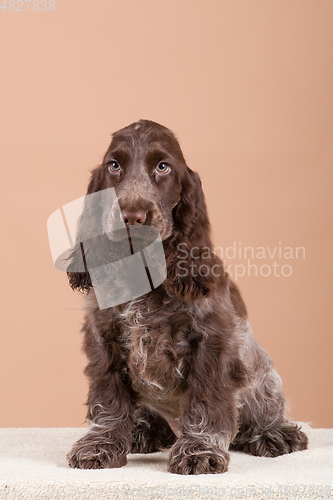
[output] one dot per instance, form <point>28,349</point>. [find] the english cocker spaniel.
<point>177,367</point>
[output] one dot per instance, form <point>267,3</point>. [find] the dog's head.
<point>154,187</point>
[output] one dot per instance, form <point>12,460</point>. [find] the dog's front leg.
<point>109,438</point>
<point>209,420</point>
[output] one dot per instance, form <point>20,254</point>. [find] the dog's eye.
<point>114,166</point>
<point>162,168</point>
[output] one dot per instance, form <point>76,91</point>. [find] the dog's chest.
<point>155,360</point>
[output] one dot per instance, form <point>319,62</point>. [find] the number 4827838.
<point>23,5</point>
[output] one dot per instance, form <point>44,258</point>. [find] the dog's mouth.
<point>111,247</point>
<point>140,233</point>
<point>131,240</point>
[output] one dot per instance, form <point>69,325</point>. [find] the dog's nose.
<point>132,218</point>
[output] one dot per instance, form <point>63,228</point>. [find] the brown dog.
<point>178,367</point>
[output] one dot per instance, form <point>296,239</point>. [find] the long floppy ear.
<point>191,264</point>
<point>81,280</point>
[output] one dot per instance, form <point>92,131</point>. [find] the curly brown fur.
<point>151,432</point>
<point>178,367</point>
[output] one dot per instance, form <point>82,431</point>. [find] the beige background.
<point>247,86</point>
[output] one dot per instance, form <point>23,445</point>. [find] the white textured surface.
<point>33,466</point>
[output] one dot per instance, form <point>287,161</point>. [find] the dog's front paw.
<point>90,452</point>
<point>284,439</point>
<point>196,458</point>
<point>280,438</point>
